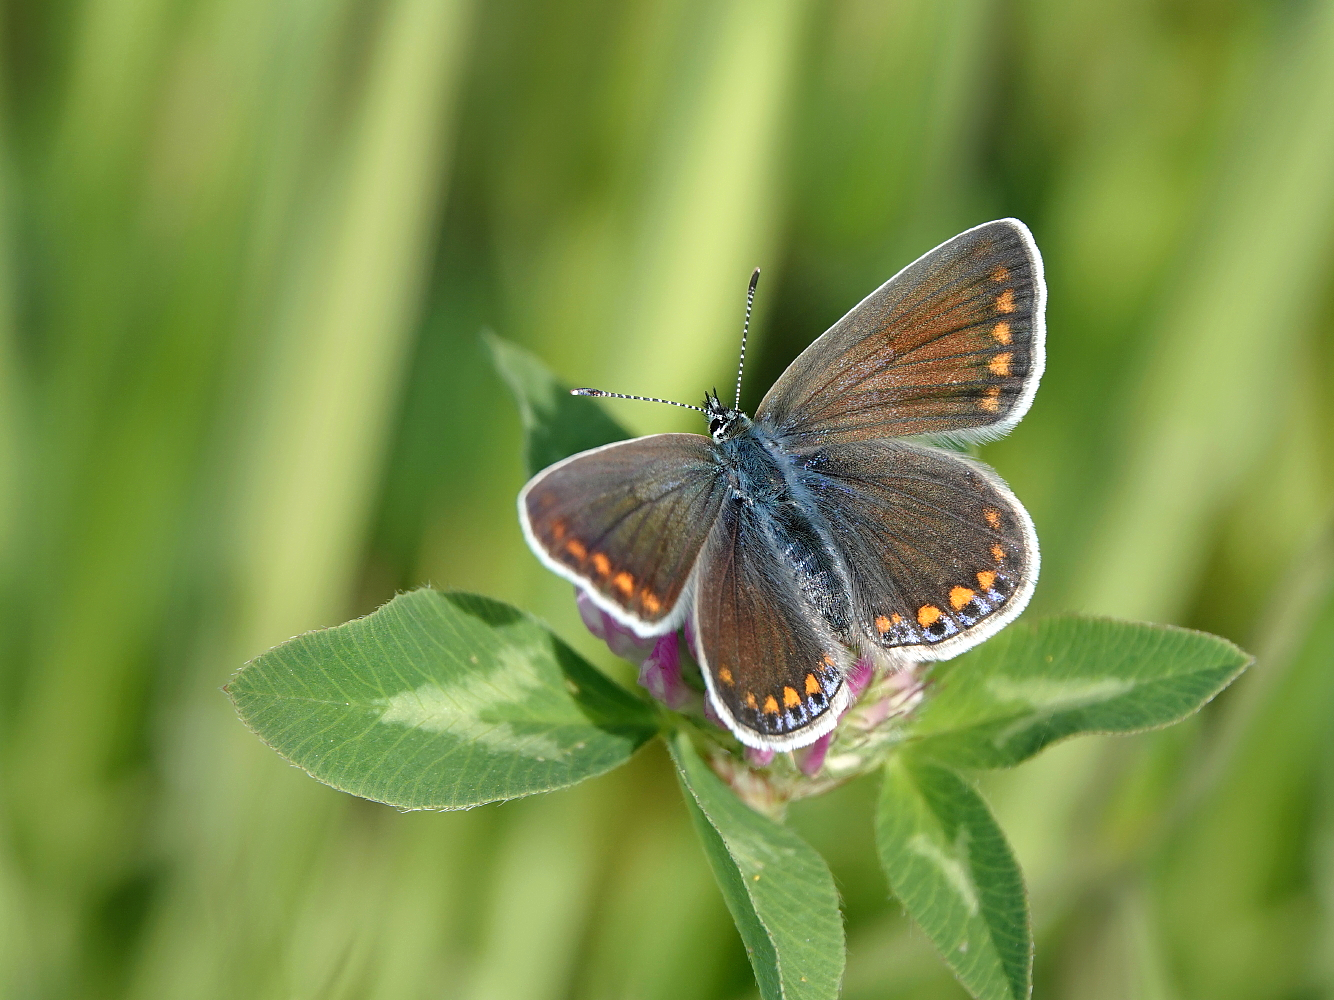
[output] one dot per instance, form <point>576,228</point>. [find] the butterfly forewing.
<point>626,522</point>
<point>939,552</point>
<point>774,670</point>
<point>952,345</point>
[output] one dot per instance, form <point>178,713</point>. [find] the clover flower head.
<point>857,743</point>
<point>619,639</point>
<point>660,673</point>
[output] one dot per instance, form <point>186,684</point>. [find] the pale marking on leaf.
<point>1050,696</point>
<point>1058,695</point>
<point>951,867</point>
<point>458,711</point>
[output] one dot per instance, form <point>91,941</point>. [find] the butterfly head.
<point>724,421</point>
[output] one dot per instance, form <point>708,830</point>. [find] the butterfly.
<point>831,526</point>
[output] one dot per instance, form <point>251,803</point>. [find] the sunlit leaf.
<point>778,889</point>
<point>439,701</point>
<point>948,863</point>
<point>556,425</point>
<point>1037,683</point>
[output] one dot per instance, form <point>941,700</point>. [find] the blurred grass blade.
<point>779,891</point>
<point>948,863</point>
<point>1263,803</point>
<point>439,701</point>
<point>12,412</point>
<point>16,944</point>
<point>641,277</point>
<point>540,893</point>
<point>888,115</point>
<point>1203,411</point>
<point>341,337</point>
<point>1038,683</point>
<point>711,213</point>
<point>347,145</point>
<point>556,425</point>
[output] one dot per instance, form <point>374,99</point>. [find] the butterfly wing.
<point>939,553</point>
<point>774,669</point>
<point>952,345</point>
<point>626,522</point>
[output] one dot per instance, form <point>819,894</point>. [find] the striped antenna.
<point>745,329</point>
<point>642,399</point>
<point>741,366</point>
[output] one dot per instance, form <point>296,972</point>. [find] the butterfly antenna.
<point>745,329</point>
<point>642,399</point>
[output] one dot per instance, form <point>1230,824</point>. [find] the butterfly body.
<point>775,494</point>
<point>828,528</point>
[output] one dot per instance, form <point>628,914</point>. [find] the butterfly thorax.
<point>724,421</point>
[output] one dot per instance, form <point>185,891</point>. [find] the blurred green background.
<point>246,250</point>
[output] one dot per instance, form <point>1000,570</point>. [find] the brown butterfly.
<point>829,527</point>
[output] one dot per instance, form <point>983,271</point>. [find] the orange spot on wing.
<point>650,601</point>
<point>828,660</point>
<point>990,400</point>
<point>812,684</point>
<point>601,564</point>
<point>986,579</point>
<point>1005,301</point>
<point>997,553</point>
<point>790,697</point>
<point>1000,274</point>
<point>992,516</point>
<point>751,703</point>
<point>897,619</point>
<point>558,530</point>
<point>882,624</point>
<point>928,614</point>
<point>1000,364</point>
<point>576,548</point>
<point>624,582</point>
<point>725,675</point>
<point>960,596</point>
<point>1001,331</point>
<point>771,705</point>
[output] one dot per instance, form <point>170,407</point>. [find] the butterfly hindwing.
<point>939,552</point>
<point>952,345</point>
<point>626,522</point>
<point>775,671</point>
